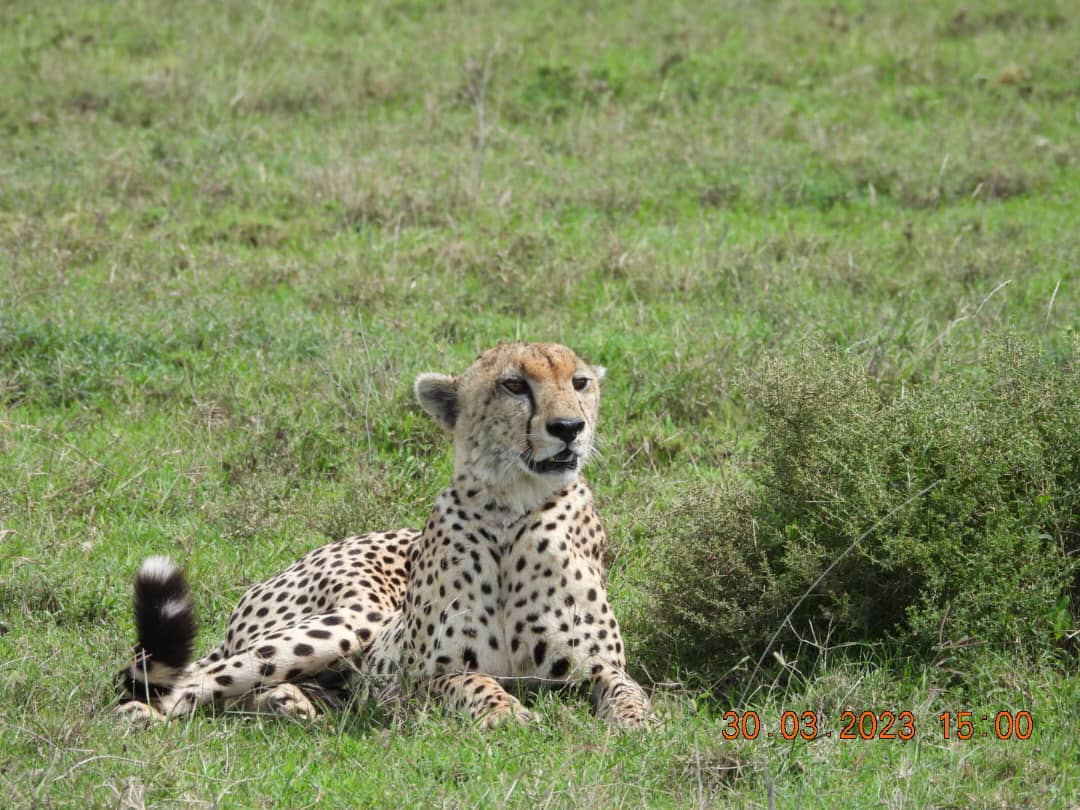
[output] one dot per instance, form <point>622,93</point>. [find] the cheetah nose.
<point>565,429</point>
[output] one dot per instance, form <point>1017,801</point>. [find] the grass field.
<point>231,234</point>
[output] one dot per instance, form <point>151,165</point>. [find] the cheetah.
<point>503,586</point>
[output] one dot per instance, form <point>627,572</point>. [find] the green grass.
<point>230,236</point>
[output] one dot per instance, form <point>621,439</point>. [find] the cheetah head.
<point>523,418</point>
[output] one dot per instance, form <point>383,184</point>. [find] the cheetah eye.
<point>516,386</point>
<point>581,383</point>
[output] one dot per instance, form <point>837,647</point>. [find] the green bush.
<point>987,555</point>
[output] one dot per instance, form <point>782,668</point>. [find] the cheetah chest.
<point>555,613</point>
<point>526,600</point>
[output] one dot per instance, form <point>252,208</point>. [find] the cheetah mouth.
<point>563,461</point>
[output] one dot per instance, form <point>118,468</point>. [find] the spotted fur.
<point>503,586</point>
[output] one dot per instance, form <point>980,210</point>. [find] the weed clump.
<point>986,555</point>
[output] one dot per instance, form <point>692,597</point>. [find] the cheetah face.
<point>523,415</point>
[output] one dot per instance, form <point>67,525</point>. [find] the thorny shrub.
<point>988,555</point>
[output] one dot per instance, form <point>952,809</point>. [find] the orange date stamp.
<point>879,725</point>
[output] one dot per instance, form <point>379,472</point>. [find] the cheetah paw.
<point>286,699</point>
<point>507,713</point>
<point>137,713</point>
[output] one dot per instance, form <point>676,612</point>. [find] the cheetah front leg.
<point>618,699</point>
<point>481,697</point>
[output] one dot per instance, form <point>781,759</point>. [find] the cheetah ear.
<point>437,394</point>
<point>600,372</point>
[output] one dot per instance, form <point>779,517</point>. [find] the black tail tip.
<point>164,615</point>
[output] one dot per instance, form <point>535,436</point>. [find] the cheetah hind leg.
<point>334,689</point>
<point>297,653</point>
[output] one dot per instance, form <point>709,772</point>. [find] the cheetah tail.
<point>165,624</point>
